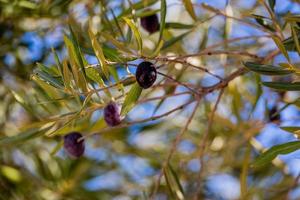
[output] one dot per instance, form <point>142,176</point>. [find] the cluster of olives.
<point>145,76</point>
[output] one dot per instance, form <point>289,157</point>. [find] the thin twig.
<point>180,83</point>
<point>127,124</point>
<point>173,148</point>
<point>205,139</point>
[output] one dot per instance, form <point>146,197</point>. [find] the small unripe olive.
<point>72,145</point>
<point>112,114</point>
<point>146,74</point>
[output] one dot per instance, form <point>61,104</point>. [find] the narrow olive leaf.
<point>77,51</point>
<point>157,49</point>
<point>175,25</point>
<point>189,7</point>
<point>295,38</point>
<point>93,74</point>
<point>280,46</point>
<point>75,63</point>
<point>174,40</point>
<point>163,13</point>
<point>57,147</point>
<point>117,23</point>
<point>283,86</point>
<point>58,3</point>
<point>28,4</point>
<point>291,129</point>
<point>55,82</point>
<point>204,40</point>
<point>259,92</point>
<point>287,66</point>
<point>49,89</point>
<point>52,71</point>
<point>58,63</point>
<point>263,21</point>
<point>135,32</point>
<point>66,74</point>
<point>20,98</point>
<point>173,183</point>
<point>128,36</point>
<point>267,69</point>
<point>292,18</point>
<point>113,71</point>
<point>25,135</point>
<point>146,13</point>
<point>137,6</point>
<point>272,4</point>
<point>274,151</point>
<point>131,98</point>
<point>120,46</point>
<point>289,43</point>
<point>99,54</point>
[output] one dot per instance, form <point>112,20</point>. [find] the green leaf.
<point>55,82</point>
<point>57,147</point>
<point>189,7</point>
<point>267,69</point>
<point>77,51</point>
<point>263,21</point>
<point>117,23</point>
<point>283,86</point>
<point>66,74</point>
<point>28,4</point>
<point>93,74</point>
<point>48,70</point>
<point>295,38</point>
<point>137,6</point>
<point>272,4</point>
<point>258,92</point>
<point>280,46</point>
<point>99,54</point>
<point>291,129</point>
<point>175,25</point>
<point>292,18</point>
<point>173,183</point>
<point>289,43</point>
<point>204,40</point>
<point>58,63</point>
<point>146,13</point>
<point>135,32</point>
<point>120,46</point>
<point>131,98</point>
<point>49,89</point>
<point>163,13</point>
<point>25,135</point>
<point>274,151</point>
<point>75,63</point>
<point>174,40</point>
<point>116,77</point>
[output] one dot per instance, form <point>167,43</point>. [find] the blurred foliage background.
<point>228,71</point>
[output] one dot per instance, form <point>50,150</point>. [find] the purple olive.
<point>74,147</point>
<point>146,74</point>
<point>150,23</point>
<point>112,114</point>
